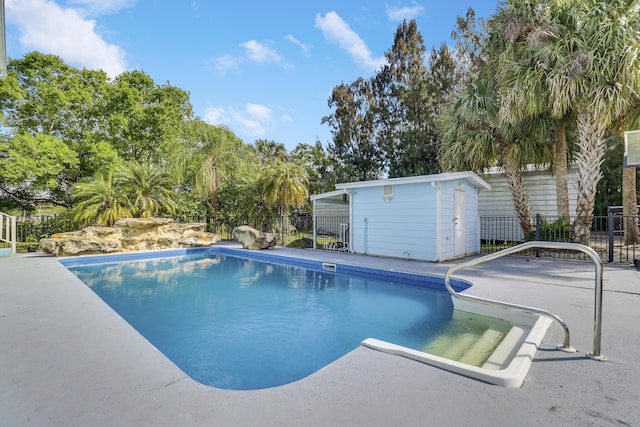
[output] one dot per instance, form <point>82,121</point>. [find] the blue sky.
<point>264,69</point>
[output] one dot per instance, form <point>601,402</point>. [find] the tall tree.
<point>525,26</point>
<point>285,184</point>
<point>208,156</point>
<point>30,166</point>
<point>144,119</point>
<point>469,37</point>
<point>320,168</point>
<point>404,97</point>
<point>44,96</point>
<point>474,137</point>
<point>588,62</point>
<point>355,148</point>
<point>270,150</point>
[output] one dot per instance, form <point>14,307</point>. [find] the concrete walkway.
<point>67,359</point>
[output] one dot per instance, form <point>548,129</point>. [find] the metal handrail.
<point>566,345</point>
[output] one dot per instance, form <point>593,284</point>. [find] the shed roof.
<point>447,176</point>
<point>336,195</point>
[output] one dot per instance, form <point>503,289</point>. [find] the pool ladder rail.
<point>566,345</point>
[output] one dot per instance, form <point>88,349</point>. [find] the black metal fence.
<point>612,236</point>
<point>35,227</point>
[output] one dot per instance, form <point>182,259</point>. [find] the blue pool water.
<point>240,323</point>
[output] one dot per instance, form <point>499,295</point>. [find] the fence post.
<point>610,232</point>
<point>538,222</point>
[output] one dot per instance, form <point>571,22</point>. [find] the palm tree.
<point>284,184</point>
<point>101,200</point>
<point>149,188</point>
<point>474,137</point>
<point>270,150</point>
<point>524,27</point>
<point>587,62</point>
<point>212,154</point>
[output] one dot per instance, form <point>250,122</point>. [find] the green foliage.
<point>211,156</point>
<point>320,168</point>
<point>101,122</point>
<point>302,243</point>
<point>101,200</point>
<point>284,184</point>
<point>31,164</point>
<point>387,125</point>
<point>148,188</point>
<point>144,119</point>
<point>556,231</point>
<point>138,190</point>
<point>355,150</point>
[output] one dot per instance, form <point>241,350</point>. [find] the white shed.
<point>429,217</point>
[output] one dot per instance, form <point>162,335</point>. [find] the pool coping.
<point>67,359</point>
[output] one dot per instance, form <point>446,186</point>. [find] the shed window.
<point>387,193</point>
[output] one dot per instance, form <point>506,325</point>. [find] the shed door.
<point>459,222</point>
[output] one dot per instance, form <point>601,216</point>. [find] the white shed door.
<point>459,222</point>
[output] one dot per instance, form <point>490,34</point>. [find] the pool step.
<point>469,348</point>
<point>469,338</point>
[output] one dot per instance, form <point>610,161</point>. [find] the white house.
<point>496,208</point>
<point>430,217</point>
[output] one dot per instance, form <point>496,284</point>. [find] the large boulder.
<point>254,239</point>
<point>130,234</point>
<point>89,240</point>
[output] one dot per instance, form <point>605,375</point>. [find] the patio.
<point>68,359</point>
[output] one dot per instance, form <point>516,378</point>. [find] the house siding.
<point>541,187</point>
<point>496,205</point>
<point>402,227</point>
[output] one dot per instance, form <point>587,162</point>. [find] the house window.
<point>387,193</point>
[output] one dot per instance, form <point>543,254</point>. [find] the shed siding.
<point>447,232</point>
<point>402,227</point>
<point>447,228</point>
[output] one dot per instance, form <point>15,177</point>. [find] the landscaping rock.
<point>129,234</point>
<point>250,238</point>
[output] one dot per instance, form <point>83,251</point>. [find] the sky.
<point>263,69</point>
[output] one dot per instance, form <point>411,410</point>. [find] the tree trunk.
<point>519,194</point>
<point>629,206</point>
<point>591,149</point>
<point>213,188</point>
<point>562,188</point>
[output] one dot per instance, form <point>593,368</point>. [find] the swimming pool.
<point>243,323</point>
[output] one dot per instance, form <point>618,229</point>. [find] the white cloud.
<point>260,52</point>
<point>304,47</point>
<point>402,13</point>
<point>259,112</point>
<point>254,52</point>
<point>252,120</point>
<point>46,27</point>
<point>224,63</point>
<point>99,7</point>
<point>336,30</point>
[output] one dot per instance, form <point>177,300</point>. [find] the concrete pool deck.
<point>67,359</point>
